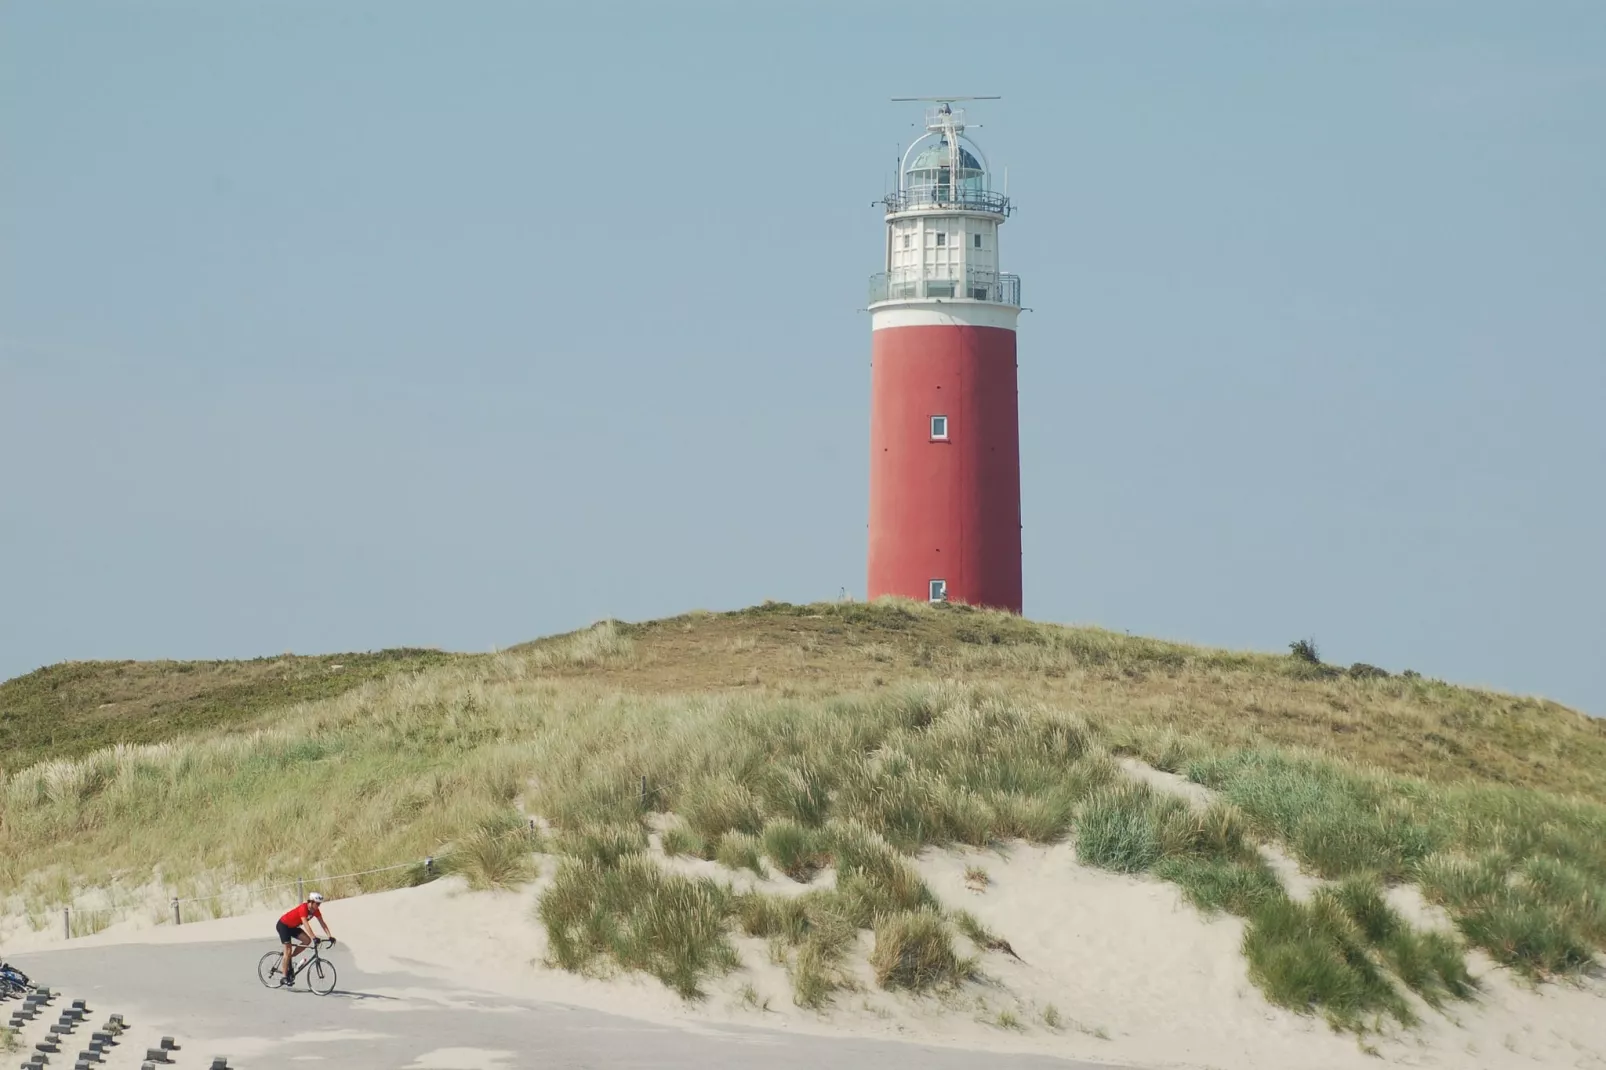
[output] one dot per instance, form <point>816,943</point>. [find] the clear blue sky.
<point>330,327</point>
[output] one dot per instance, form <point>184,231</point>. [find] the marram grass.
<point>796,784</point>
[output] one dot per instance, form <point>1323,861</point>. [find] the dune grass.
<point>796,849</point>
<point>914,951</point>
<point>791,782</point>
<point>635,915</point>
<point>1346,954</point>
<point>494,855</point>
<point>1522,873</point>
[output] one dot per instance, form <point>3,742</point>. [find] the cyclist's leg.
<point>302,941</point>
<point>284,959</point>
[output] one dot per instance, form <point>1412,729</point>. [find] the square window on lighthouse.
<point>939,427</point>
<point>939,590</point>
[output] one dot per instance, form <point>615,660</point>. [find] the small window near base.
<point>939,590</point>
<point>939,427</point>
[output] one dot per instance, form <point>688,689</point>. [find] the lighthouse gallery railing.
<point>996,287</point>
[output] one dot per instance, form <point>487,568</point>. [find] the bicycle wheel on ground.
<point>268,969</point>
<point>320,976</point>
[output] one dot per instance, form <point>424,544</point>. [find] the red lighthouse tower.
<point>945,520</point>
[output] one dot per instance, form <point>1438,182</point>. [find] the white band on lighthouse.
<point>943,314</point>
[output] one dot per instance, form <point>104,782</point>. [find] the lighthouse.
<point>945,519</point>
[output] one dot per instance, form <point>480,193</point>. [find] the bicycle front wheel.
<point>268,968</point>
<point>320,974</point>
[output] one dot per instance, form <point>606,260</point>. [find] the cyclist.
<point>290,930</point>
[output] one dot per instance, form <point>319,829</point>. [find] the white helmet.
<point>315,897</point>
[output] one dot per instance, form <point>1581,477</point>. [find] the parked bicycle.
<point>318,971</point>
<point>13,982</point>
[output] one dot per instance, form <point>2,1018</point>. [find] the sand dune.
<point>1132,972</point>
<point>1135,974</point>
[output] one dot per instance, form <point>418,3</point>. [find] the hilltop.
<point>837,805</point>
<point>1399,721</point>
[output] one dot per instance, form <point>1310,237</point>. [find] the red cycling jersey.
<point>300,913</point>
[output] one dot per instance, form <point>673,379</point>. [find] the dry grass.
<point>74,708</point>
<point>1162,693</point>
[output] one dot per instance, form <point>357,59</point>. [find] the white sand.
<point>461,1059</point>
<point>1136,975</point>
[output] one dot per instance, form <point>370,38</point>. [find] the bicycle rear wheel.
<point>268,971</point>
<point>320,975</point>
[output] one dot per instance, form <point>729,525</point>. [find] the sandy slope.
<point>1135,973</point>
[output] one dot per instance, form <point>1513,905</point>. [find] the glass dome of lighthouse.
<point>944,166</point>
<point>945,169</point>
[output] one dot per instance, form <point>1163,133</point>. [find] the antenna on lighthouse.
<point>948,124</point>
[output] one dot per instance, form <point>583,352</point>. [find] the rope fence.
<point>299,884</point>
<point>432,867</point>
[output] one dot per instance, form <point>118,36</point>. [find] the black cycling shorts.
<point>287,934</point>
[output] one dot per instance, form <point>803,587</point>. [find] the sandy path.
<point>207,996</point>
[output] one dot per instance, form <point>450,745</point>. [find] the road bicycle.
<point>318,971</point>
<point>13,982</point>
